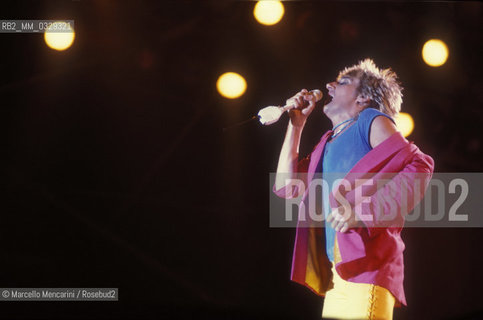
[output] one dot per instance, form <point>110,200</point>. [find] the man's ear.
<point>363,101</point>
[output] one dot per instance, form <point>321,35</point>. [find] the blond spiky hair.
<point>381,86</point>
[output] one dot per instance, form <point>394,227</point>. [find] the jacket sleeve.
<point>395,194</point>
<point>294,187</point>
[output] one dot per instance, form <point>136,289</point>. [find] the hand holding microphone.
<point>299,107</point>
<point>302,105</point>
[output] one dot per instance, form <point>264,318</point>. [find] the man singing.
<point>357,263</point>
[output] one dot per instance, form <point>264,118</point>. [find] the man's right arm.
<point>289,156</point>
<point>288,160</point>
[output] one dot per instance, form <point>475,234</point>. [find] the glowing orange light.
<point>435,52</point>
<point>59,40</point>
<point>231,85</point>
<point>268,12</point>
<point>405,123</point>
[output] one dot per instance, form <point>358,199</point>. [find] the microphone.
<point>269,115</point>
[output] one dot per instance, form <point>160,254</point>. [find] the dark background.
<point>116,171</point>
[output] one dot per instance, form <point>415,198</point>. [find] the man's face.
<point>344,95</point>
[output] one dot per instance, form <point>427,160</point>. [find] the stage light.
<point>268,12</point>
<point>405,123</point>
<point>59,40</point>
<point>435,52</point>
<point>231,85</point>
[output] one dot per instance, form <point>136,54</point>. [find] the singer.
<point>356,265</point>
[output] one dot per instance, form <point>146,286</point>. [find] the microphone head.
<point>317,94</point>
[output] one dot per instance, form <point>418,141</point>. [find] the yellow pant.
<point>349,300</point>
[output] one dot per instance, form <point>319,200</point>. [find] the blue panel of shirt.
<point>340,155</point>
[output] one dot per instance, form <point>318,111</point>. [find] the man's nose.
<point>330,85</point>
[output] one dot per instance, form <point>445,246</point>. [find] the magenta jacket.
<point>373,254</point>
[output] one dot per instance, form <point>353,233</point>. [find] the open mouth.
<point>327,99</point>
